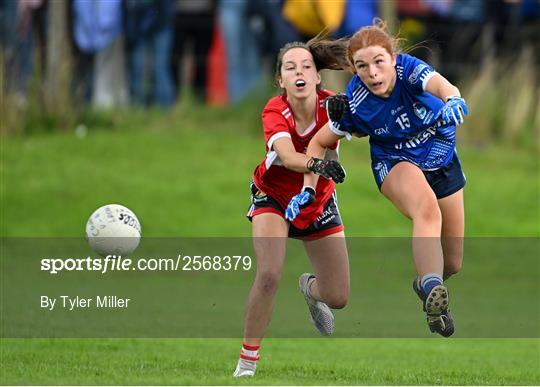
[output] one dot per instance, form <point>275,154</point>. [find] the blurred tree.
<point>58,67</point>
<point>388,12</point>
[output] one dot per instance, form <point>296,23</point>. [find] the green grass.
<point>284,362</point>
<point>186,173</point>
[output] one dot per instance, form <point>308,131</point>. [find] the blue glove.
<point>454,111</point>
<point>303,199</point>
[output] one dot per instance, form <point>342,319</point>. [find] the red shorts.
<point>329,222</point>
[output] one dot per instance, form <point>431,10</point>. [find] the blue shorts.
<point>443,181</point>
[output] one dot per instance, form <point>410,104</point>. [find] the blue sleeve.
<point>343,127</point>
<point>415,72</point>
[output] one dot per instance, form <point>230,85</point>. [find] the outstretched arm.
<point>455,108</point>
<point>300,162</point>
<point>441,88</point>
<point>315,152</point>
<point>317,149</point>
<point>288,155</point>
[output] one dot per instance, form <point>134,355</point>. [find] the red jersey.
<point>281,183</point>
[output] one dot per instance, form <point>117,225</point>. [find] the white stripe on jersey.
<point>334,195</point>
<point>272,159</point>
<point>358,99</point>
<point>357,91</point>
<point>383,172</point>
<point>286,113</point>
<point>361,93</point>
<point>426,77</point>
<point>276,136</point>
<point>334,127</point>
<point>400,71</point>
<point>308,129</point>
<point>250,211</point>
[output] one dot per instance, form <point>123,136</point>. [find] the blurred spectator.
<point>244,58</point>
<point>357,15</point>
<point>516,24</point>
<point>23,23</point>
<point>457,27</point>
<point>99,61</point>
<point>149,38</point>
<point>272,30</point>
<point>463,34</point>
<point>83,58</point>
<point>193,27</point>
<point>312,17</point>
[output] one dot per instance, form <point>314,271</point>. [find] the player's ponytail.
<point>329,54</point>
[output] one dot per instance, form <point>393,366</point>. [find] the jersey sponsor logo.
<point>397,110</point>
<point>420,110</point>
<point>381,131</point>
<point>417,140</point>
<point>417,70</point>
<point>428,118</point>
<point>326,216</point>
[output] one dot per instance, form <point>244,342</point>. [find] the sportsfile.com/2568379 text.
<point>113,263</point>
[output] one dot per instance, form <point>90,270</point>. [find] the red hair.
<point>375,35</point>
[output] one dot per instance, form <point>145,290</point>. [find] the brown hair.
<point>327,54</point>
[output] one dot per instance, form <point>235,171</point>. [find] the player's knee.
<point>429,212</point>
<point>336,301</point>
<point>452,267</point>
<point>268,282</point>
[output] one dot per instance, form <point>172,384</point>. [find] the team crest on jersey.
<point>420,110</point>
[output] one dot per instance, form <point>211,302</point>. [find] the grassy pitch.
<point>283,362</point>
<point>190,177</point>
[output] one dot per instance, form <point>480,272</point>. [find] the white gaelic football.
<point>113,230</point>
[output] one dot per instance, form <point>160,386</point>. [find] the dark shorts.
<point>329,222</point>
<point>443,181</point>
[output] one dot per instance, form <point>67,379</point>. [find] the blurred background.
<point>156,105</point>
<point>85,54</point>
<point>147,101</point>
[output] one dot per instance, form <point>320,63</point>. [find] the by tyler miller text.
<point>77,302</point>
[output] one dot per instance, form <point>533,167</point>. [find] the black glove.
<point>330,169</point>
<point>336,106</point>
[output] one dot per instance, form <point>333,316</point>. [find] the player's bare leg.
<point>453,231</point>
<point>408,189</point>
<point>329,287</point>
<point>270,233</point>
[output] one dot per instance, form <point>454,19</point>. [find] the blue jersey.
<point>401,126</point>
